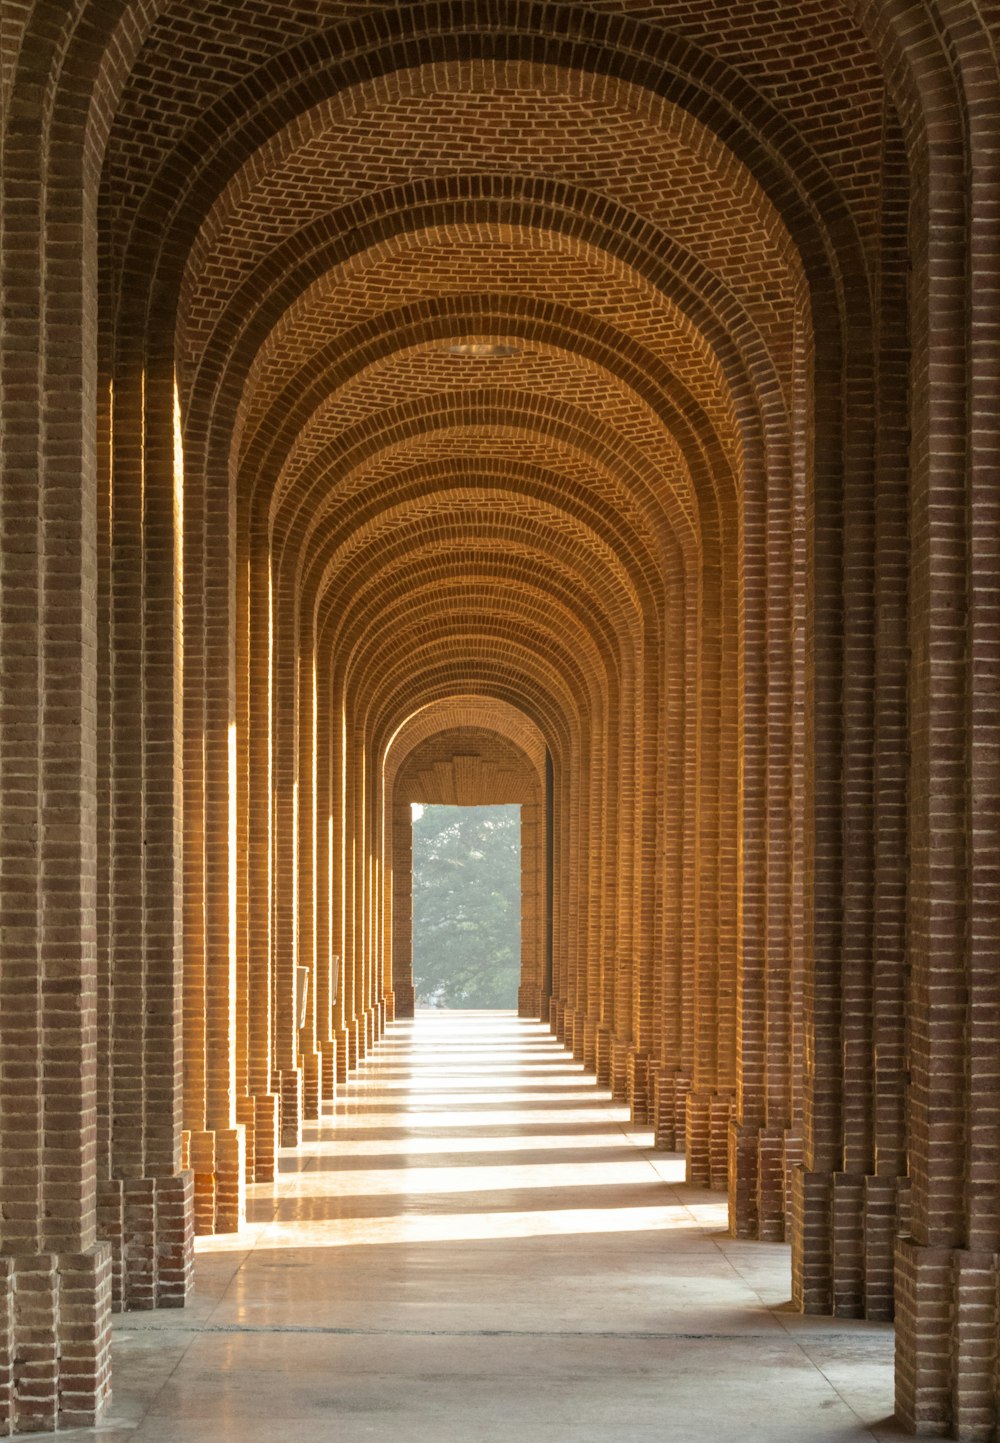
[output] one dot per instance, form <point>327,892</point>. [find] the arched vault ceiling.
<point>524,544</point>
<point>354,309</point>
<point>602,492</point>
<point>200,50</point>
<point>426,378</point>
<point>519,472</point>
<point>472,713</point>
<point>662,167</point>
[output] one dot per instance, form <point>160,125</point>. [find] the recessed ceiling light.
<point>482,350</point>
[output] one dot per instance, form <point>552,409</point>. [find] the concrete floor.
<point>477,1249</point>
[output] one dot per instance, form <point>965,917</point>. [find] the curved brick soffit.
<point>663,360</point>
<point>457,713</point>
<point>501,411</point>
<point>914,28</point>
<point>928,57</point>
<point>222,390</point>
<point>648,157</point>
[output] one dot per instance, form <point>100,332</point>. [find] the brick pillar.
<point>56,1275</point>
<point>639,1085</point>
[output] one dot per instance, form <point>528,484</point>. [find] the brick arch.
<point>656,61</point>
<point>545,422</point>
<point>694,292</point>
<point>516,691</point>
<point>631,361</point>
<point>312,165</point>
<point>351,580</point>
<point>484,714</point>
<point>446,482</point>
<point>448,740</point>
<point>691,458</point>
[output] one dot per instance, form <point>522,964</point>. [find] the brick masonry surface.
<point>588,406</point>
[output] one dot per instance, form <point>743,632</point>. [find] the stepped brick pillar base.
<point>557,1018</point>
<point>743,1157</point>
<point>602,1055</point>
<point>55,1340</point>
<point>706,1133</point>
<point>290,1107</point>
<point>267,1114</point>
<point>406,999</point>
<point>148,1224</point>
<point>669,1102</point>
<point>590,1044</point>
<point>246,1117</point>
<point>574,1038</point>
<point>258,1117</point>
<point>946,1340</point>
<point>762,1166</point>
<point>843,1242</point>
<point>342,1042</point>
<point>328,1069</point>
<point>218,1161</point>
<point>639,1086</point>
<point>312,1086</point>
<point>355,1044</point>
<point>620,1050</point>
<point>530,1002</point>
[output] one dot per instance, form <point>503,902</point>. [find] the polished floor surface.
<point>477,1249</point>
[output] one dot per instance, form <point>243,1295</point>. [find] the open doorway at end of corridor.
<point>466,906</point>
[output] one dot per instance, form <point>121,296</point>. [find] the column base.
<point>218,1161</point>
<point>844,1228</point>
<point>148,1224</point>
<point>762,1165</point>
<point>706,1139</point>
<point>290,1101</point>
<point>590,1044</point>
<point>405,999</point>
<point>530,1002</point>
<point>311,1064</point>
<point>947,1319</point>
<point>575,1035</point>
<point>620,1050</point>
<point>639,1087</point>
<point>330,1057</point>
<point>55,1340</point>
<point>355,1044</point>
<point>262,1157</point>
<point>670,1092</point>
<point>602,1055</point>
<point>342,1042</point>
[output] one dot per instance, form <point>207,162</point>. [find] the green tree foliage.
<point>466,906</point>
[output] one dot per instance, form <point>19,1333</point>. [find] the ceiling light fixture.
<point>482,350</point>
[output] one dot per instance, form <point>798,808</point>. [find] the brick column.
<point>55,1277</point>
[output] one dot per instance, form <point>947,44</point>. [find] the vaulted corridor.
<point>587,407</point>
<point>477,1246</point>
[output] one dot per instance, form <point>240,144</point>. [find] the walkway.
<point>477,1250</point>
